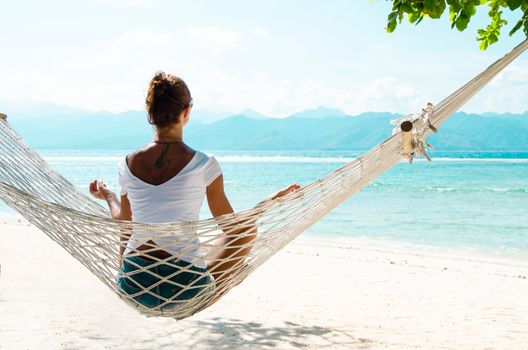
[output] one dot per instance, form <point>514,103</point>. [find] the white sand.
<point>316,293</point>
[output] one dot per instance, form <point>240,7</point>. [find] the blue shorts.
<point>196,278</point>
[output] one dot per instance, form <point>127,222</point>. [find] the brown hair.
<point>167,97</point>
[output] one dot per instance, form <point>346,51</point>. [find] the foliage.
<point>460,13</point>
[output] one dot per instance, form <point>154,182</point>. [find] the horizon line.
<point>34,106</point>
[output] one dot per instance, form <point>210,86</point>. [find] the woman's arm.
<point>236,244</point>
<point>118,210</point>
<point>219,205</point>
<point>281,193</point>
<point>125,213</point>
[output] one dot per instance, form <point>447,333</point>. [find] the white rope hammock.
<point>246,239</point>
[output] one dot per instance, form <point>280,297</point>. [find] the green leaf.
<point>514,4</point>
<point>516,27</point>
<point>391,26</point>
<point>454,5</point>
<point>452,16</point>
<point>492,38</point>
<point>407,8</point>
<point>462,21</point>
<point>460,14</point>
<point>438,10</point>
<point>413,17</point>
<point>429,5</point>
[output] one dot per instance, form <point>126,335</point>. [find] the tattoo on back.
<point>162,159</point>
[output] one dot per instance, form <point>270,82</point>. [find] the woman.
<point>166,181</point>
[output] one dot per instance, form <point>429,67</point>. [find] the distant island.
<point>55,127</point>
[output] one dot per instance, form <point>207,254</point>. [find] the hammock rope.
<point>232,245</point>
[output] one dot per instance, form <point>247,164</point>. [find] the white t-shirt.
<point>178,199</point>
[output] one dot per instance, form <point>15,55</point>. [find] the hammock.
<point>246,239</point>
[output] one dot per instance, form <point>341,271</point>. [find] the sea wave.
<point>53,159</point>
<point>282,159</point>
<point>225,159</point>
<point>468,160</point>
<point>279,159</point>
<point>475,189</point>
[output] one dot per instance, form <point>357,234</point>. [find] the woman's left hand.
<point>285,191</point>
<point>99,190</point>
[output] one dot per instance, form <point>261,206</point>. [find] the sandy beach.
<point>316,293</point>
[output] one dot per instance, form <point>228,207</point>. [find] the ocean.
<point>476,201</point>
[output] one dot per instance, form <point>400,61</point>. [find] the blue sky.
<point>276,57</point>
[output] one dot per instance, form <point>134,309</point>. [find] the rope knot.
<point>412,128</point>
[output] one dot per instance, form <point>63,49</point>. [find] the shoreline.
<point>364,242</point>
<point>313,294</point>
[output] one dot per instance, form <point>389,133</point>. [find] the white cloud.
<point>212,38</point>
<point>139,45</point>
<point>505,93</point>
<point>116,75</point>
<point>513,74</point>
<point>259,33</point>
<point>224,92</point>
<point>220,91</point>
<point>379,46</point>
<point>145,46</point>
<point>126,3</point>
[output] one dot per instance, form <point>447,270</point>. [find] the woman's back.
<point>157,163</point>
<point>166,182</point>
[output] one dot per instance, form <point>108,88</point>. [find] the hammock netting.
<point>232,245</point>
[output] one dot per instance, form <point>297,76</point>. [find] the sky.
<point>276,57</point>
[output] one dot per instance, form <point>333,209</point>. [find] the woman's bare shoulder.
<point>141,153</point>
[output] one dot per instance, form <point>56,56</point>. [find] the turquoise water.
<point>470,203</point>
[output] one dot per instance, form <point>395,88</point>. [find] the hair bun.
<point>167,97</point>
<point>162,87</point>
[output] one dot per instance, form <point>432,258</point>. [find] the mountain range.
<point>58,127</point>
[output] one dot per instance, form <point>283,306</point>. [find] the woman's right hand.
<point>99,190</point>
